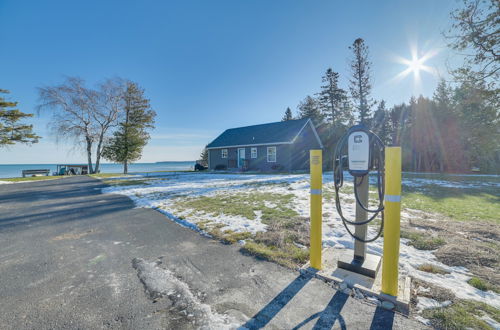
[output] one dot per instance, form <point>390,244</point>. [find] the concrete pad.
<point>343,278</point>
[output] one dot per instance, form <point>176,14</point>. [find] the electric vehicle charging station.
<point>364,152</point>
<point>360,152</point>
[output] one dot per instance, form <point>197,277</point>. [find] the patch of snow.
<point>421,289</point>
<point>160,282</point>
<point>492,323</point>
<point>423,320</point>
<point>5,182</point>
<point>424,303</point>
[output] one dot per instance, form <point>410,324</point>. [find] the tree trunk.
<point>89,154</point>
<point>127,115</point>
<point>98,153</point>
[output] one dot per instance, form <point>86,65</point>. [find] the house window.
<point>253,153</point>
<point>271,154</point>
<point>223,153</point>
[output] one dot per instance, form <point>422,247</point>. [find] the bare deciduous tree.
<point>111,105</point>
<point>475,34</point>
<point>82,114</point>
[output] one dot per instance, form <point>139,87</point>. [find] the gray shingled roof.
<point>278,132</point>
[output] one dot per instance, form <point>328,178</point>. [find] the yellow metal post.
<point>316,208</point>
<point>392,214</point>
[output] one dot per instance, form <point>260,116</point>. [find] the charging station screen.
<point>358,146</point>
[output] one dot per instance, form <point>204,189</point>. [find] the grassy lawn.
<point>32,178</point>
<point>472,198</point>
<point>241,204</point>
<point>286,239</point>
<point>106,175</point>
<point>460,204</point>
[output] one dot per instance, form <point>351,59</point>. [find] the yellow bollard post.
<point>392,214</point>
<point>316,165</point>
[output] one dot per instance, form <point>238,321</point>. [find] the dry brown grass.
<point>286,242</point>
<point>473,245</point>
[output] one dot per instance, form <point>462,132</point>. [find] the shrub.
<point>277,167</point>
<point>220,167</point>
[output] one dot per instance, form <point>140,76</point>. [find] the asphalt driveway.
<point>71,257</point>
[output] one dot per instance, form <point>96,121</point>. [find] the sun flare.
<point>415,65</point>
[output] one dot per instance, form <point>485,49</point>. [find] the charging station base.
<point>359,285</point>
<point>367,267</point>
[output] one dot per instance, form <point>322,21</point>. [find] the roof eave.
<point>250,145</point>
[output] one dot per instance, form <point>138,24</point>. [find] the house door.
<point>241,157</point>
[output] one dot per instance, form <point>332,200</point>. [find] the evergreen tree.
<point>288,115</point>
<point>360,85</point>
<point>204,156</point>
<point>11,131</point>
<point>128,141</point>
<point>451,143</point>
<point>308,108</point>
<point>332,100</point>
<point>397,122</point>
<point>381,123</point>
<point>477,110</point>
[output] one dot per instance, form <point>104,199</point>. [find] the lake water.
<point>15,170</point>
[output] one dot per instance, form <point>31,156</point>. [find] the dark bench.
<point>33,172</point>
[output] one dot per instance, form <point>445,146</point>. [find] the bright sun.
<point>415,65</point>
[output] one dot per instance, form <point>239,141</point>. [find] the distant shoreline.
<point>84,163</point>
<point>15,170</point>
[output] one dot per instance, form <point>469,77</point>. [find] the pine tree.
<point>451,154</point>
<point>360,85</point>
<point>288,115</point>
<point>332,99</point>
<point>477,110</point>
<point>332,102</point>
<point>11,131</point>
<point>204,157</point>
<point>397,122</point>
<point>128,141</point>
<point>308,108</point>
<point>381,123</point>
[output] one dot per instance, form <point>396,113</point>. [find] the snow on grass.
<point>421,182</point>
<point>492,323</point>
<point>429,303</point>
<point>162,193</point>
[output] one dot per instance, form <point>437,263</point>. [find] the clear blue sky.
<point>209,65</point>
